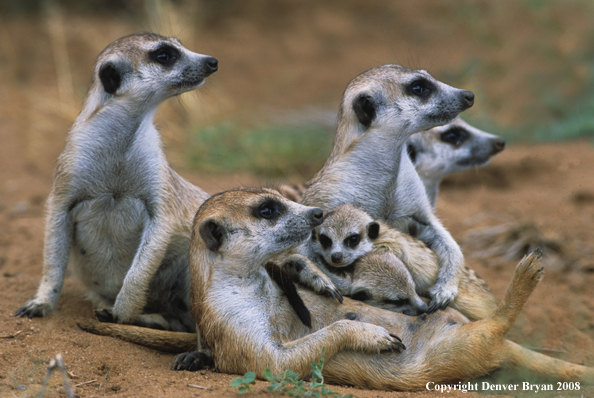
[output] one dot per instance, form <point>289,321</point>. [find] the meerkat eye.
<point>420,88</point>
<point>165,55</point>
<point>397,303</point>
<point>353,240</point>
<point>455,136</point>
<point>268,210</point>
<point>325,241</point>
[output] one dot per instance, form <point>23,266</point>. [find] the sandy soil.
<point>549,185</point>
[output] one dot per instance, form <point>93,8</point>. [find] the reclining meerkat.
<point>368,261</point>
<point>436,153</point>
<point>369,166</point>
<point>447,149</point>
<point>117,212</point>
<point>237,234</point>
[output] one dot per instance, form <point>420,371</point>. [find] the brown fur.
<point>250,326</point>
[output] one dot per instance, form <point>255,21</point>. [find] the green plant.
<point>243,383</point>
<point>291,384</point>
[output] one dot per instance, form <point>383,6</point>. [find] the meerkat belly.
<point>106,235</point>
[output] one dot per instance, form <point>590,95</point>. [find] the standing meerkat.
<point>237,235</point>
<point>117,212</point>
<point>369,261</point>
<point>448,149</point>
<point>369,167</point>
<point>436,153</point>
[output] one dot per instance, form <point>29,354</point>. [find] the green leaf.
<point>236,382</point>
<point>249,378</point>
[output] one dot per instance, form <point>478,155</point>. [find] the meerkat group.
<point>123,218</point>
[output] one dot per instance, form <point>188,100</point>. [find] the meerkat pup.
<point>369,261</point>
<point>447,149</point>
<point>369,167</point>
<point>436,153</point>
<point>117,212</point>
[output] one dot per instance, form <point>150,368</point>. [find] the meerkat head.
<point>253,225</point>
<point>450,148</point>
<point>394,98</point>
<point>147,67</point>
<point>346,234</point>
<point>381,279</point>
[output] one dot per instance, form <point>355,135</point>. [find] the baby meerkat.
<point>369,261</point>
<point>369,167</point>
<point>447,149</point>
<point>117,212</point>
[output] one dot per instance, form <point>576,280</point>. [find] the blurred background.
<point>270,109</point>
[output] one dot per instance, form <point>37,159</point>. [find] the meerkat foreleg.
<point>132,297</point>
<point>306,273</point>
<point>450,262</point>
<point>58,240</point>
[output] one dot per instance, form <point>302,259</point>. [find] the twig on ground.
<point>56,362</point>
<point>104,378</point>
<point>200,387</point>
<point>11,336</point>
<point>85,382</point>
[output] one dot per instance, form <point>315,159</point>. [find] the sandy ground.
<point>548,185</point>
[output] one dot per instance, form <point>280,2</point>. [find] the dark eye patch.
<point>361,296</point>
<point>398,303</point>
<point>165,55</point>
<point>269,209</point>
<point>352,241</point>
<point>455,136</point>
<point>421,88</point>
<point>325,241</point>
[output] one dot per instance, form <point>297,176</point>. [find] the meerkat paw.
<point>192,361</point>
<point>34,307</point>
<point>441,296</point>
<point>376,339</point>
<point>311,276</point>
<point>105,315</point>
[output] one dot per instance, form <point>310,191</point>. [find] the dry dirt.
<point>550,185</point>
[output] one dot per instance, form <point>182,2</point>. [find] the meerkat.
<point>369,261</point>
<point>447,149</point>
<point>437,153</point>
<point>369,167</point>
<point>237,234</point>
<point>117,212</point>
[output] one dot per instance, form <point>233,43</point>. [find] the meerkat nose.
<point>498,145</point>
<point>336,257</point>
<point>469,97</point>
<point>212,64</point>
<point>317,215</point>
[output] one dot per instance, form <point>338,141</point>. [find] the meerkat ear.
<point>411,150</point>
<point>212,234</point>
<point>364,108</point>
<point>373,230</point>
<point>110,76</point>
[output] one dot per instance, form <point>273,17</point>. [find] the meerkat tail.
<point>162,340</point>
<point>544,366</point>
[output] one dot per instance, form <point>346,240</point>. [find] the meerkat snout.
<point>336,257</point>
<point>498,145</point>
<point>468,97</point>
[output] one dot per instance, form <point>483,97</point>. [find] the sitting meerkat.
<point>238,234</point>
<point>117,212</point>
<point>436,153</point>
<point>447,149</point>
<point>369,261</point>
<point>369,166</point>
